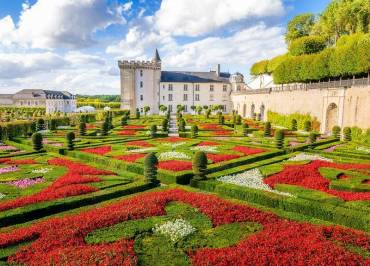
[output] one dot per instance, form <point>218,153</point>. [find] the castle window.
<point>170,87</point>
<point>224,87</point>
<point>163,86</point>
<point>170,108</point>
<point>141,97</point>
<point>211,97</point>
<point>238,88</point>
<point>211,87</point>
<point>185,97</point>
<point>141,84</point>
<point>185,108</point>
<point>185,87</point>
<point>141,73</point>
<point>197,87</point>
<point>170,97</point>
<point>163,98</point>
<point>197,97</point>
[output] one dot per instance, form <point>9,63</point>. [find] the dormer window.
<point>141,73</point>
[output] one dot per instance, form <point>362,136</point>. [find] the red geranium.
<point>211,127</point>
<point>130,157</point>
<point>308,176</point>
<point>98,150</point>
<point>248,150</point>
<point>172,139</point>
<point>175,165</point>
<point>134,127</point>
<point>20,161</point>
<point>222,132</point>
<point>280,242</point>
<point>90,126</point>
<point>139,143</point>
<point>127,132</point>
<point>208,143</point>
<point>216,158</point>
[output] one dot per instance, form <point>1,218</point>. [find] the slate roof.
<point>194,77</point>
<point>35,93</point>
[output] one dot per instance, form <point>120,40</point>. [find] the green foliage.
<point>182,125</point>
<point>312,138</point>
<point>105,128</point>
<point>146,110</point>
<point>259,68</point>
<point>150,168</point>
<point>199,165</point>
<point>40,124</point>
<point>307,45</point>
<point>245,129</point>
<point>208,113</point>
<point>137,115</point>
<point>299,26</point>
<point>347,134</point>
<point>238,120</point>
<point>221,120</point>
<point>153,131</point>
<point>162,108</point>
<point>124,120</point>
<point>82,128</point>
<point>199,109</point>
<point>294,125</point>
<point>53,124</point>
<point>279,139</point>
<point>286,120</point>
<point>275,62</point>
<point>267,129</point>
<point>165,125</point>
<point>70,136</point>
<point>194,131</point>
<point>307,126</point>
<point>335,132</point>
<point>37,141</point>
<point>358,135</point>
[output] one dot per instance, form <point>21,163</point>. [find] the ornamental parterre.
<point>60,241</point>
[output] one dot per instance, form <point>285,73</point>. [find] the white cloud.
<point>78,58</point>
<point>127,6</point>
<point>63,23</point>
<point>194,17</point>
<point>7,28</point>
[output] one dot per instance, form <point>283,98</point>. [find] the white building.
<point>143,83</point>
<point>52,101</point>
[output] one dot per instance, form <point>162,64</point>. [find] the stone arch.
<point>252,109</point>
<point>244,110</point>
<point>331,117</point>
<point>262,112</point>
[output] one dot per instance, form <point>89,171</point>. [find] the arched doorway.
<point>331,117</point>
<point>262,112</point>
<point>244,110</point>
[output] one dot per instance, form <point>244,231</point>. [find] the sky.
<point>75,45</point>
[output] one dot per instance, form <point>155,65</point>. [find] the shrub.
<point>194,131</point>
<point>40,124</point>
<point>33,126</point>
<point>267,129</point>
<point>307,126</point>
<point>137,113</point>
<point>53,124</point>
<point>70,138</point>
<point>208,113</point>
<point>182,125</point>
<point>238,120</point>
<point>199,165</point>
<point>82,128</point>
<point>307,45</point>
<point>335,132</point>
<point>279,139</point>
<point>105,128</point>
<point>259,68</point>
<point>37,141</point>
<point>150,168</point>
<point>245,129</point>
<point>312,139</point>
<point>124,120</point>
<point>165,125</point>
<point>153,131</point>
<point>347,134</point>
<point>294,126</point>
<point>221,120</point>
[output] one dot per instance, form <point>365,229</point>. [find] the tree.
<point>245,129</point>
<point>70,138</point>
<point>146,109</point>
<point>82,128</point>
<point>294,124</point>
<point>124,120</point>
<point>162,108</point>
<point>347,134</point>
<point>180,108</point>
<point>153,131</point>
<point>335,132</point>
<point>279,139</point>
<point>307,45</point>
<point>37,141</point>
<point>199,109</point>
<point>307,126</point>
<point>165,125</point>
<point>182,125</point>
<point>53,124</point>
<point>299,26</point>
<point>238,120</point>
<point>40,124</point>
<point>267,129</point>
<point>194,131</point>
<point>137,113</point>
<point>312,139</point>
<point>208,113</point>
<point>150,168</point>
<point>199,165</point>
<point>105,128</point>
<point>221,120</point>
<point>193,107</point>
<point>259,68</point>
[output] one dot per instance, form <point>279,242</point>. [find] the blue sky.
<point>75,45</point>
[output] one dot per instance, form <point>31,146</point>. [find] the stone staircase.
<point>172,129</point>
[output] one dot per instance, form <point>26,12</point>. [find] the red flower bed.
<point>90,126</point>
<point>130,157</point>
<point>175,165</point>
<point>70,184</point>
<point>98,150</point>
<point>248,150</point>
<point>172,139</point>
<point>139,143</point>
<point>127,132</point>
<point>208,143</point>
<point>17,161</point>
<point>222,132</point>
<point>308,176</point>
<point>134,127</point>
<point>216,158</point>
<point>211,127</point>
<point>60,241</point>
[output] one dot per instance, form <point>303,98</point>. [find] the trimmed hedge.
<point>286,120</point>
<point>307,45</point>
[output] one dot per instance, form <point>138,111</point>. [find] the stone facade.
<point>52,101</point>
<point>342,103</point>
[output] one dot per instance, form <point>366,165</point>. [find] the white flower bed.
<point>41,171</point>
<point>173,155</point>
<point>143,150</point>
<point>308,157</point>
<point>363,149</point>
<point>2,195</point>
<point>211,149</point>
<point>174,145</point>
<point>251,178</point>
<point>175,230</point>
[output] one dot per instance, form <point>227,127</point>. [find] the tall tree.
<point>299,26</point>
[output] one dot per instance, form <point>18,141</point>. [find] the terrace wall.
<point>345,103</point>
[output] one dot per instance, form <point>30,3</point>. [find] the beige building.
<point>343,103</point>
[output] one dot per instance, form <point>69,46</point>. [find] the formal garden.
<point>111,188</point>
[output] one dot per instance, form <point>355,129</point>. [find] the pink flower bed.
<point>98,150</point>
<point>9,169</point>
<point>247,150</point>
<point>26,182</point>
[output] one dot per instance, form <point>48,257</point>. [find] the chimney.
<point>218,70</point>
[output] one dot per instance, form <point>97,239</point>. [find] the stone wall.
<point>343,106</point>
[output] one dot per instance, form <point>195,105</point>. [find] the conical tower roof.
<point>156,57</point>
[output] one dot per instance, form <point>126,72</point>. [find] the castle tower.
<point>140,84</point>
